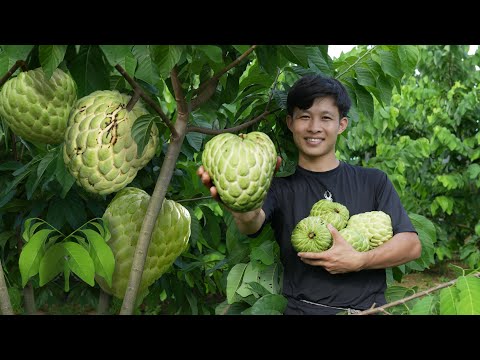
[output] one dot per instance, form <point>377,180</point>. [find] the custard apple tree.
<point>191,93</point>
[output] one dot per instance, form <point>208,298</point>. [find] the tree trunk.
<point>5,305</point>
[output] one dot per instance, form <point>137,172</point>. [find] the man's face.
<point>315,130</point>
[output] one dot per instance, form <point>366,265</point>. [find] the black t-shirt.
<point>290,199</point>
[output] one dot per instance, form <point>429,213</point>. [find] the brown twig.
<point>148,99</point>
<point>18,63</point>
<point>178,92</point>
<point>207,131</point>
<point>133,100</point>
<point>411,297</point>
<point>207,89</point>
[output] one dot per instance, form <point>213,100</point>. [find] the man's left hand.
<point>340,258</point>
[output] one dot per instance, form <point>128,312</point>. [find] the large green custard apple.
<point>311,235</point>
<point>170,237</point>
<point>37,108</point>
<point>332,212</point>
<point>99,150</point>
<point>376,226</point>
<point>241,167</point>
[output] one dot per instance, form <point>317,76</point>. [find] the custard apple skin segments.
<point>99,150</point>
<point>358,241</point>
<point>241,167</point>
<point>375,225</point>
<point>311,235</point>
<point>332,212</point>
<point>170,238</point>
<point>36,108</point>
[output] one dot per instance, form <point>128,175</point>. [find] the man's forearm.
<point>249,222</point>
<point>400,249</point>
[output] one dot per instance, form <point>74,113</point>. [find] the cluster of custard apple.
<point>100,153</point>
<point>364,231</point>
<point>98,149</point>
<point>241,167</point>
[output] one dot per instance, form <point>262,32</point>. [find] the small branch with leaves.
<point>138,91</point>
<point>383,308</point>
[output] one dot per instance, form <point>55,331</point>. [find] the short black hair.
<point>309,87</point>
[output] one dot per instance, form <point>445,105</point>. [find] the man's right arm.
<point>249,222</point>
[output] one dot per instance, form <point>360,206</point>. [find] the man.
<point>340,278</point>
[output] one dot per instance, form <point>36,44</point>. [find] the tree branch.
<point>207,89</point>
<point>18,63</point>
<point>148,99</point>
<point>178,91</point>
<point>5,304</point>
<point>408,298</point>
<point>207,131</point>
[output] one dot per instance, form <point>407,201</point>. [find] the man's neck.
<point>319,164</point>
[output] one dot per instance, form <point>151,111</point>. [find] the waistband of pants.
<point>348,310</point>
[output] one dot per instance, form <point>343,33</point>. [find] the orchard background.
<point>415,115</point>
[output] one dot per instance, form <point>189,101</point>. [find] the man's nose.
<point>314,125</point>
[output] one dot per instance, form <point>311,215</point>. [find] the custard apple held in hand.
<point>332,212</point>
<point>241,167</point>
<point>358,241</point>
<point>375,225</point>
<point>124,216</point>
<point>99,150</point>
<point>37,108</point>
<point>311,235</point>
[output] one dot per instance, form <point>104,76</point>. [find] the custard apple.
<point>311,235</point>
<point>375,225</point>
<point>37,108</point>
<point>241,167</point>
<point>99,150</point>
<point>124,216</point>
<point>356,239</point>
<point>332,212</point>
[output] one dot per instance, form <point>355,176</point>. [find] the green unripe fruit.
<point>170,236</point>
<point>356,239</point>
<point>311,235</point>
<point>99,150</point>
<point>332,212</point>
<point>37,108</point>
<point>375,225</point>
<point>241,167</point>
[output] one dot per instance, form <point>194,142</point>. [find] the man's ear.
<point>289,121</point>
<point>343,125</point>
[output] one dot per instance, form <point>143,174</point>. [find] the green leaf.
<point>32,253</point>
<point>102,255</point>
<point>390,63</point>
<point>424,306</point>
<point>10,165</point>
<point>250,275</point>
<point>448,300</point>
<point>141,131</point>
<point>50,57</point>
<point>52,263</point>
<point>80,262</point>
<point>297,54</point>
<point>117,54</point>
<point>89,70</point>
<point>63,176</point>
<point>48,162</point>
<point>264,253</point>
<point>214,53</point>
<point>319,60</point>
<point>146,69</point>
<point>166,57</point>
<point>364,102</point>
<point>365,77</point>
<point>428,236</point>
<point>408,55</point>
<point>469,295</point>
<point>272,304</point>
<point>270,278</point>
<point>195,140</point>
<point>234,279</point>
<point>16,52</point>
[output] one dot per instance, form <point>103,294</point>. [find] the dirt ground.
<point>431,277</point>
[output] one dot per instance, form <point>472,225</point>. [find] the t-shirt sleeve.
<point>389,202</point>
<point>268,207</point>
